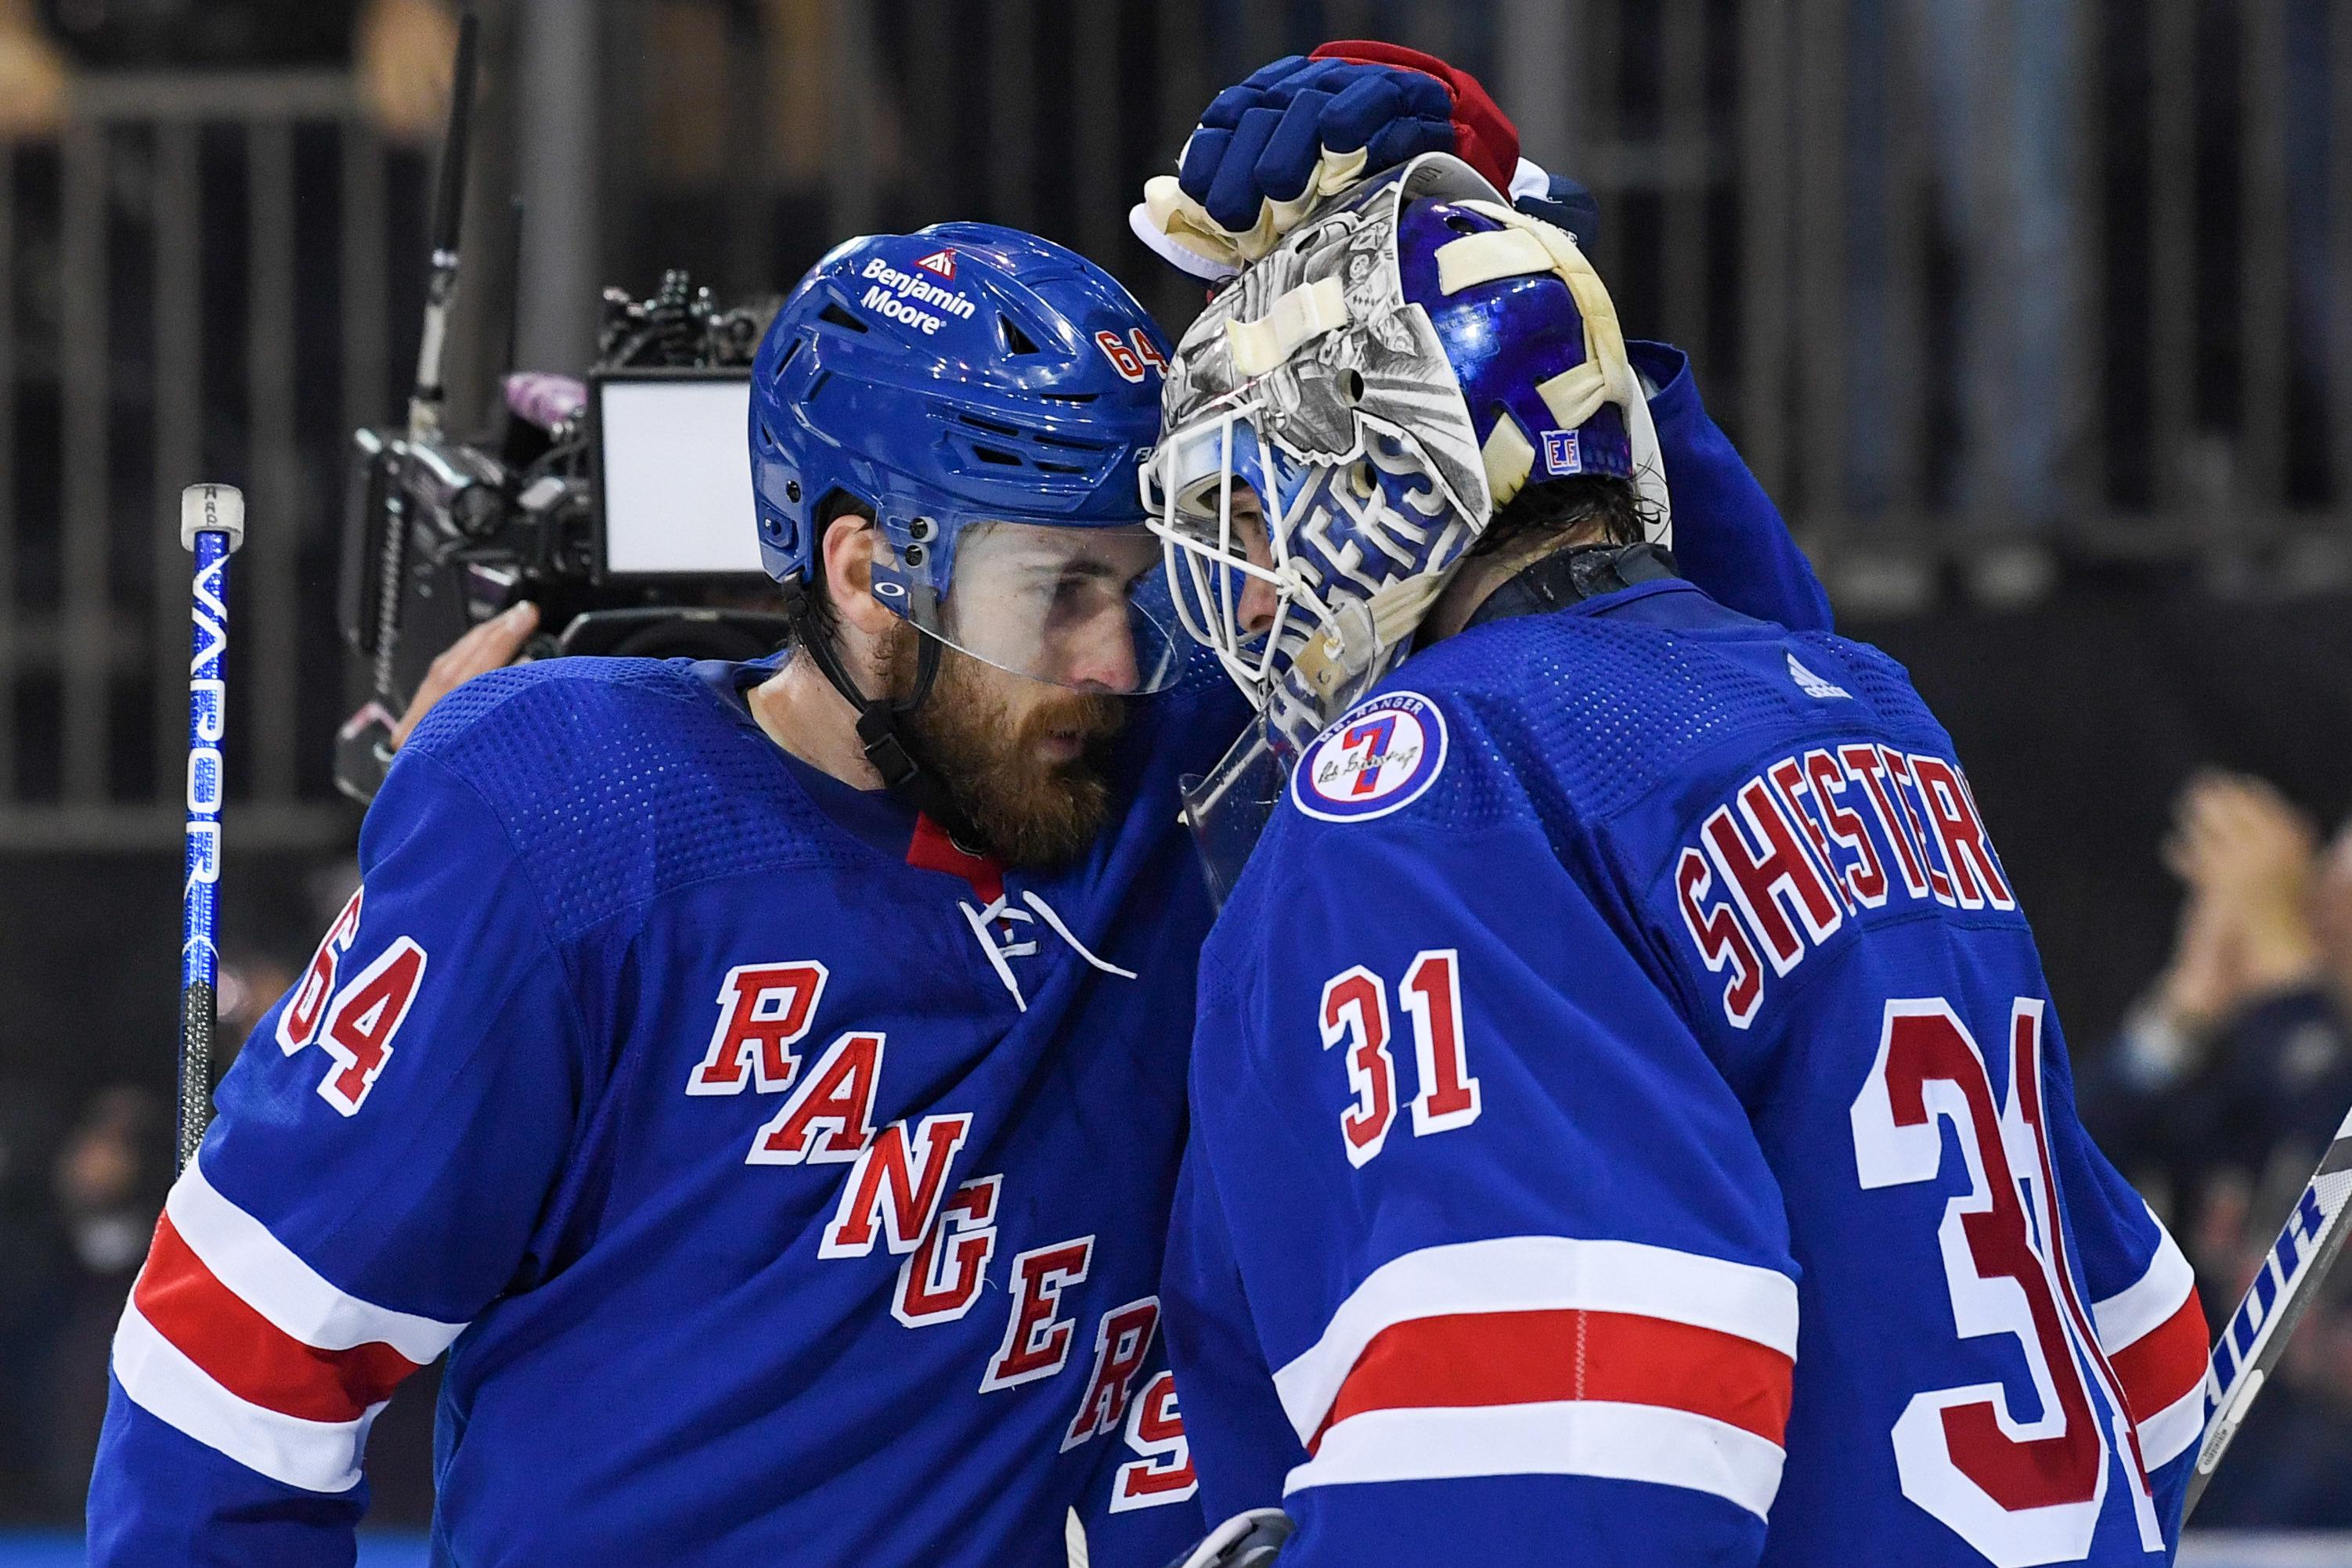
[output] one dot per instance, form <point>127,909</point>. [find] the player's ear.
<point>850,541</point>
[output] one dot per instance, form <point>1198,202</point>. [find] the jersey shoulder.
<point>1562,722</point>
<point>1591,712</point>
<point>616,781</point>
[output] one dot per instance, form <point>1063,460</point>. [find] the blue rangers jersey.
<point>1631,1127</point>
<point>785,1186</point>
<point>781,1182</point>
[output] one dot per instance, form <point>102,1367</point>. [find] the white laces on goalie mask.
<point>984,925</point>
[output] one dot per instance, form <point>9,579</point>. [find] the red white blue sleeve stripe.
<point>231,1338</point>
<point>2153,1332</point>
<point>1546,1355</point>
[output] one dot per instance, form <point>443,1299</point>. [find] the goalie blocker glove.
<point>1266,151</point>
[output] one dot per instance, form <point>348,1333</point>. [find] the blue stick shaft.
<point>207,722</point>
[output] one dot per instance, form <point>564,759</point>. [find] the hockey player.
<point>1630,1125</point>
<point>766,1082</point>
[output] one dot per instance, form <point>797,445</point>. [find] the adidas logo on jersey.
<point>1812,685</point>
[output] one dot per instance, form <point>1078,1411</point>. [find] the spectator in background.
<point>2239,1060</point>
<point>108,1182</point>
<point>399,50</point>
<point>2003,79</point>
<point>32,74</point>
<point>2219,1097</point>
<point>1993,88</point>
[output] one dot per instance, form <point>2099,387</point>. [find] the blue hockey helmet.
<point>1382,384</point>
<point>987,395</point>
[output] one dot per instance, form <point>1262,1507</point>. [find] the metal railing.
<point>180,307</point>
<point>2193,389</point>
<point>2075,276</point>
<point>1841,207</point>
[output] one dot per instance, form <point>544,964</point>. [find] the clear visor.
<point>1075,607</point>
<point>1228,809</point>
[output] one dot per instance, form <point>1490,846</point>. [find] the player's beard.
<point>1027,810</point>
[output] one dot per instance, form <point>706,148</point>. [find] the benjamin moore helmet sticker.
<point>1378,759</point>
<point>903,297</point>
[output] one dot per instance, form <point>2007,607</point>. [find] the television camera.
<point>620,504</point>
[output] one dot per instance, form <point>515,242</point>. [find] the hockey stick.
<point>2291,1275</point>
<point>212,525</point>
<point>449,219</point>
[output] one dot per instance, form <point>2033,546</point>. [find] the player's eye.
<point>1077,587</point>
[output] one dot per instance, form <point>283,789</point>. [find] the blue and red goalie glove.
<point>1309,125</point>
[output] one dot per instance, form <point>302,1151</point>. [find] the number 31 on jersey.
<point>1355,1013</point>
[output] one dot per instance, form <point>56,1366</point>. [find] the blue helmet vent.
<point>965,378</point>
<point>834,313</point>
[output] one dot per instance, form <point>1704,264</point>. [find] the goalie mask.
<point>1343,421</point>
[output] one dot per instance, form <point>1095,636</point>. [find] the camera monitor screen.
<point>676,489</point>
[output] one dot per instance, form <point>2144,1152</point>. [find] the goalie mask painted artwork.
<point>1374,392</point>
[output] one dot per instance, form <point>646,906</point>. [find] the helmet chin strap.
<point>881,731</point>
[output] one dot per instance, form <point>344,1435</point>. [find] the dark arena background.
<point>2035,315</point>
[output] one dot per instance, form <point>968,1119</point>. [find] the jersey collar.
<point>875,816</point>
<point>1573,576</point>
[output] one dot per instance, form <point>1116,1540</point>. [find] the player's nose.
<point>1257,606</point>
<point>1104,661</point>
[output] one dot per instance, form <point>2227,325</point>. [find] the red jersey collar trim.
<point>931,849</point>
